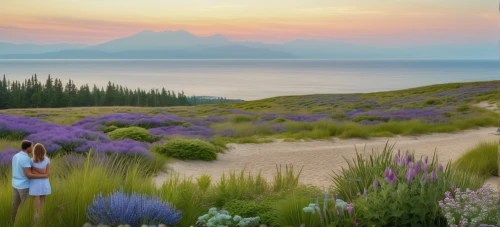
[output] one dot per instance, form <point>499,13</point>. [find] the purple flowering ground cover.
<point>430,105</point>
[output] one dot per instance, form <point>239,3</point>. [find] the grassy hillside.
<point>436,108</point>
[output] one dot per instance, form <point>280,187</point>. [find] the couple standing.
<point>30,176</point>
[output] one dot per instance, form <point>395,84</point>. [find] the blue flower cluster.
<point>135,210</point>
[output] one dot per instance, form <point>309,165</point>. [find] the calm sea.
<point>255,79</point>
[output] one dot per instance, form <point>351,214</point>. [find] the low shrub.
<point>471,208</point>
<point>462,108</point>
<point>110,128</point>
<point>134,209</point>
<point>280,120</point>
<point>134,133</point>
<point>242,118</point>
<point>216,218</point>
<point>262,208</point>
<point>433,101</point>
<point>483,159</point>
<point>187,149</point>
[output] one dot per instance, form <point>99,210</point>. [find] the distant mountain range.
<point>184,45</point>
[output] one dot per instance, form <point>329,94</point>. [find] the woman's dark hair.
<point>26,144</point>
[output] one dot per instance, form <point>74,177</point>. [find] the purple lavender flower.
<point>387,172</point>
<point>433,176</point>
<point>193,131</point>
<point>306,118</point>
<point>350,209</point>
<point>409,175</point>
<point>441,168</point>
<point>389,176</point>
<point>134,209</point>
<point>6,157</point>
<point>408,159</point>
<point>417,168</point>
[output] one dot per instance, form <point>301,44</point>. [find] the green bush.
<point>253,208</point>
<point>280,120</point>
<point>242,118</point>
<point>462,108</point>
<point>433,101</point>
<point>188,149</point>
<point>134,133</point>
<point>400,205</point>
<point>110,128</point>
<point>483,158</point>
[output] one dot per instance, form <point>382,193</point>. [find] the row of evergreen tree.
<point>32,93</point>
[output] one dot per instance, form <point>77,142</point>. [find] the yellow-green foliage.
<point>483,158</point>
<point>134,133</point>
<point>14,144</point>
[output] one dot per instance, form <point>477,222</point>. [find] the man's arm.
<point>31,175</point>
<point>37,170</point>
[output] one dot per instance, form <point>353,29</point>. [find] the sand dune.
<point>320,158</point>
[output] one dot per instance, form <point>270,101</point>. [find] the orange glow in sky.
<point>371,22</point>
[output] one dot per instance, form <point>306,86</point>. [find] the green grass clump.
<point>134,133</point>
<point>483,159</point>
<point>242,118</point>
<point>462,108</point>
<point>14,144</point>
<point>187,149</point>
<point>360,118</point>
<point>280,120</point>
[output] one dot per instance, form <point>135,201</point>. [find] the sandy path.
<point>320,158</point>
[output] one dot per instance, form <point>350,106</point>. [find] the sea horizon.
<point>253,79</point>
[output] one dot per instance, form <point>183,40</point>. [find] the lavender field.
<point>129,144</point>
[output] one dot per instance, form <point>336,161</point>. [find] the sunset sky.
<point>370,22</point>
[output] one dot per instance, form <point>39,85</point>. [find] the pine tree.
<point>4,94</point>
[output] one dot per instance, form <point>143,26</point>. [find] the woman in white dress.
<point>40,188</point>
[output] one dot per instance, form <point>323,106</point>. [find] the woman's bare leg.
<point>42,202</point>
<point>37,206</point>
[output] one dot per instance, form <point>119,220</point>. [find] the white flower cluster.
<point>471,208</point>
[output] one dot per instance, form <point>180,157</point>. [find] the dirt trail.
<point>320,158</point>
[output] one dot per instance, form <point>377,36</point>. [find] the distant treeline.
<point>32,93</point>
